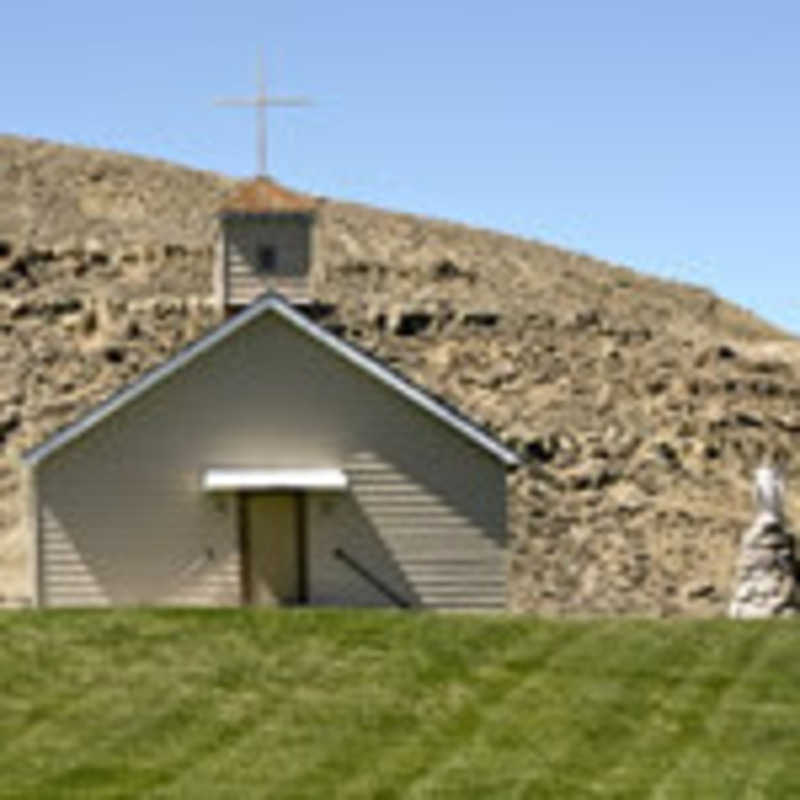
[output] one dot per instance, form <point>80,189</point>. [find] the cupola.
<point>266,244</point>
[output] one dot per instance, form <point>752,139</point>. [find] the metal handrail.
<point>370,578</point>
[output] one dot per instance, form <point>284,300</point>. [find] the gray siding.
<point>289,235</point>
<point>416,542</point>
<point>69,578</point>
<point>123,519</point>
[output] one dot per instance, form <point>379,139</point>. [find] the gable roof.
<point>272,303</point>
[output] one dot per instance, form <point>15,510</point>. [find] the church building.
<point>269,463</point>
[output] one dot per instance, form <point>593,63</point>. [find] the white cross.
<point>260,103</point>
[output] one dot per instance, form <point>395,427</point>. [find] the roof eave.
<point>271,302</point>
<point>231,213</point>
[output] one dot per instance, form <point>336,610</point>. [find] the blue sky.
<point>663,136</point>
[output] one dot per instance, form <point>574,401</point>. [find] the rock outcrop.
<point>640,406</point>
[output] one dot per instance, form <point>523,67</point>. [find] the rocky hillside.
<point>640,406</point>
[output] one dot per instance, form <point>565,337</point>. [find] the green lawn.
<point>332,704</point>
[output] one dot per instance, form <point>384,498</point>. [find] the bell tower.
<point>266,244</point>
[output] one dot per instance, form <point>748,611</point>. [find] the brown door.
<point>273,560</point>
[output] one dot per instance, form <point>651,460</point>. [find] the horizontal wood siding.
<point>67,577</point>
<point>124,519</point>
<point>204,584</point>
<point>335,521</point>
<point>246,287</point>
<point>429,552</point>
<point>130,543</point>
<point>292,240</point>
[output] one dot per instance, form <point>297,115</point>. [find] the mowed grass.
<point>347,704</point>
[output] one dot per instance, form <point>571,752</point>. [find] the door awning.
<point>227,479</point>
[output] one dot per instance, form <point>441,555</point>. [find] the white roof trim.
<point>223,479</point>
<point>275,304</point>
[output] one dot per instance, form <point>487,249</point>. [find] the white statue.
<point>769,492</point>
<point>767,582</point>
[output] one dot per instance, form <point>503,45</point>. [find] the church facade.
<point>270,463</point>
